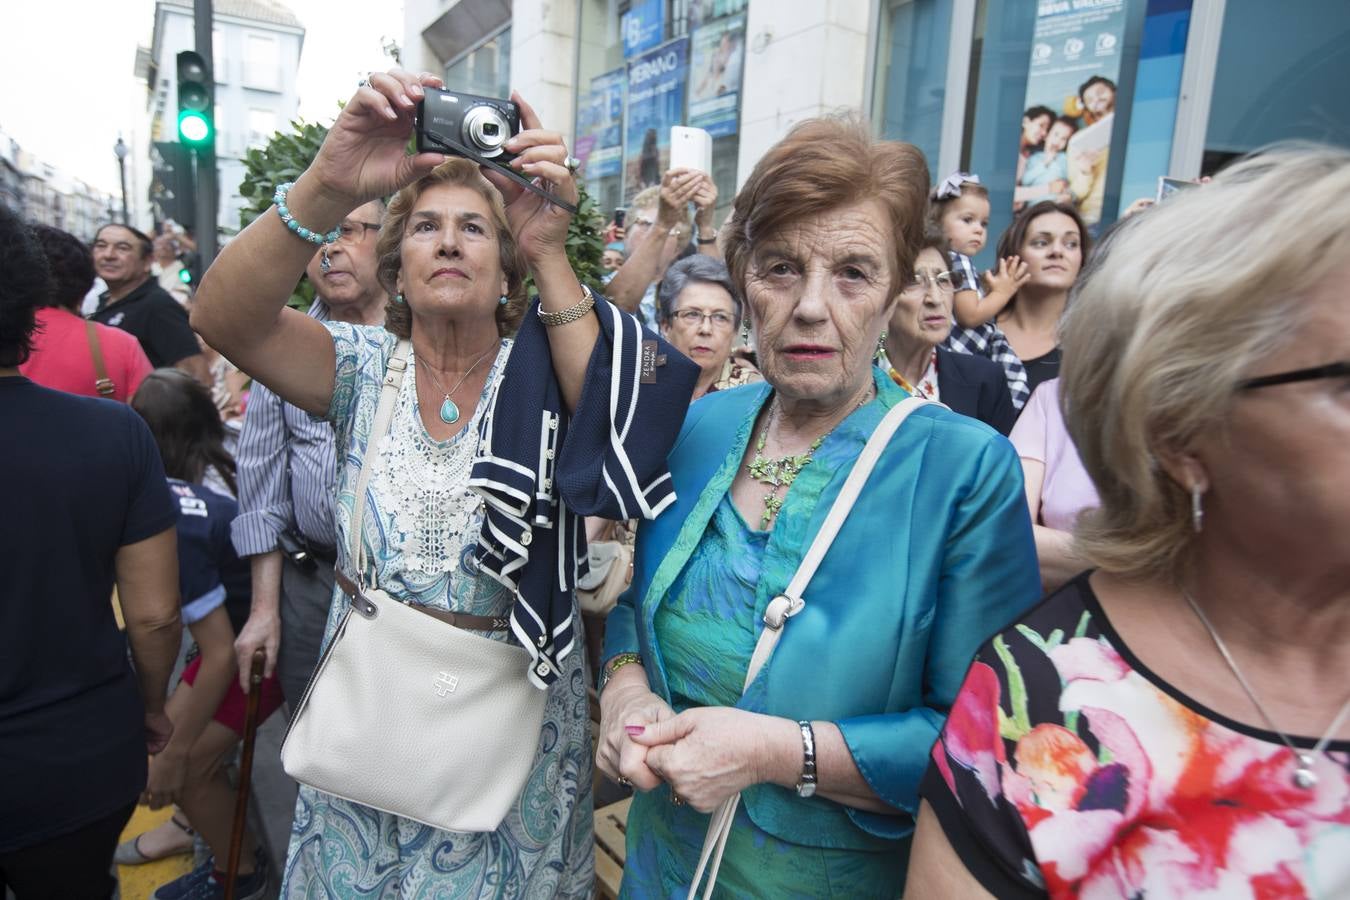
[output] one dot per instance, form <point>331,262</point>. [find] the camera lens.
<point>485,129</point>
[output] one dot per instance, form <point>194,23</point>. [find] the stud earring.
<point>1197,509</point>
<point>503,300</point>
<point>398,299</point>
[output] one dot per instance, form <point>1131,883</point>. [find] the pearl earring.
<point>503,300</point>
<point>1197,508</point>
<point>398,299</point>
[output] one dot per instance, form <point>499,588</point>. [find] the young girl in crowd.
<point>960,210</point>
<point>207,707</point>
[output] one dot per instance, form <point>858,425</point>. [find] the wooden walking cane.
<point>255,677</point>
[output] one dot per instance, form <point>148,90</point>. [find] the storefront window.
<point>645,66</point>
<point>912,73</point>
<point>1280,76</point>
<point>484,70</point>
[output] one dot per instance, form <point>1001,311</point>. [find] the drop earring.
<point>745,331</point>
<point>881,346</point>
<point>1197,509</point>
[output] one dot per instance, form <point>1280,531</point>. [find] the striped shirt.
<point>287,472</point>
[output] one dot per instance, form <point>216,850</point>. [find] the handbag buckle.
<point>361,603</point>
<point>782,608</point>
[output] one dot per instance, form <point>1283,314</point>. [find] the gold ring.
<point>676,798</point>
<point>624,782</point>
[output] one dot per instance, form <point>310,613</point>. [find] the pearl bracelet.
<point>279,198</point>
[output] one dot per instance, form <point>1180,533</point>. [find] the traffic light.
<point>194,100</point>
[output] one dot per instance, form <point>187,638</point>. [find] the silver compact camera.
<point>448,121</point>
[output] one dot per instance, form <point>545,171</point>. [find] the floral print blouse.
<point>1068,769</point>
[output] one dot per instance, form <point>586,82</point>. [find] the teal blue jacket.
<point>936,555</point>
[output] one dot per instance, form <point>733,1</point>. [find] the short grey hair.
<point>699,267</point>
<point>1159,335</point>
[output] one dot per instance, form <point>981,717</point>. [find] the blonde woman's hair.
<point>1173,312</point>
<point>388,250</point>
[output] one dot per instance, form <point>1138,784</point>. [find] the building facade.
<point>256,49</point>
<point>1142,88</point>
<point>44,195</point>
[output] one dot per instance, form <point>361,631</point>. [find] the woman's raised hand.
<point>364,155</point>
<point>539,226</point>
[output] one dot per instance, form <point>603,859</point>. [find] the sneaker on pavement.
<point>203,883</point>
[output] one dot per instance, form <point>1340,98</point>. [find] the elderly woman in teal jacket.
<point>935,555</point>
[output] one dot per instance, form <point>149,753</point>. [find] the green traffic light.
<point>185,276</point>
<point>194,128</point>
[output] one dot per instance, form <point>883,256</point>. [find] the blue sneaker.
<point>202,883</point>
<point>185,886</point>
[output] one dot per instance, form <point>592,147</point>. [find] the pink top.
<point>61,357</point>
<point>1039,434</point>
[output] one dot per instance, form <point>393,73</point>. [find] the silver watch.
<point>806,784</point>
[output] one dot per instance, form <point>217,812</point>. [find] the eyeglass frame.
<point>1313,373</point>
<point>687,316</point>
<point>925,282</point>
<point>352,223</point>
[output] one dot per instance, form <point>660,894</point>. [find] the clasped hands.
<point>706,754</point>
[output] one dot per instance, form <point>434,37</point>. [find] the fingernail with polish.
<point>634,729</point>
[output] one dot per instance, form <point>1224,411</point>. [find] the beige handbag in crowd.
<point>407,713</point>
<point>610,570</point>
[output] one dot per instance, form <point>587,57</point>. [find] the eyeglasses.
<point>1331,370</point>
<point>693,318</point>
<point>940,282</point>
<point>354,232</point>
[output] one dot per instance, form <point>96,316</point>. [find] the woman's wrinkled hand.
<point>705,201</point>
<point>628,705</point>
<point>364,155</point>
<point>539,226</point>
<point>709,754</point>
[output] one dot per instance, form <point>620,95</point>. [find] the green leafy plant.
<point>585,241</point>
<point>284,157</point>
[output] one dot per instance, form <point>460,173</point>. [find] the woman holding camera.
<point>454,251</point>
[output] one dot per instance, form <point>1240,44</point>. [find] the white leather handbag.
<point>788,604</point>
<point>405,712</point>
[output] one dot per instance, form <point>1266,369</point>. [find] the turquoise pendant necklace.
<point>449,411</point>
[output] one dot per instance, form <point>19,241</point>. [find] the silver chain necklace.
<point>1304,777</point>
<point>449,411</point>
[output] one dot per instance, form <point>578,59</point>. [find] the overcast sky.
<point>69,88</point>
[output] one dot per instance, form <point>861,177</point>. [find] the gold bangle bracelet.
<point>571,314</point>
<point>615,664</point>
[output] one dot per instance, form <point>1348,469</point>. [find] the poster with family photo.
<point>1070,104</point>
<point>716,57</point>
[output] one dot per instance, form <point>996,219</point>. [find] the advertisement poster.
<point>1070,104</point>
<point>656,87</point>
<point>600,126</point>
<point>643,26</point>
<point>716,54</point>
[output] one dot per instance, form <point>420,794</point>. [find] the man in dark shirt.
<point>134,302</point>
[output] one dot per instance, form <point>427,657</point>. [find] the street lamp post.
<point>120,149</point>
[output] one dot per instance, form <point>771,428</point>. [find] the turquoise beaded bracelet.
<point>279,198</point>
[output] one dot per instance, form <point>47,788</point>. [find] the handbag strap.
<point>384,413</point>
<point>788,604</point>
<point>102,383</point>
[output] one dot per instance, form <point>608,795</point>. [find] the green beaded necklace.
<point>780,471</point>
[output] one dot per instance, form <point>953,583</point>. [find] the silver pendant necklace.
<point>1304,777</point>
<point>449,411</point>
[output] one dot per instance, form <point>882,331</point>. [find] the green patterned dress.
<point>420,527</point>
<point>707,628</point>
